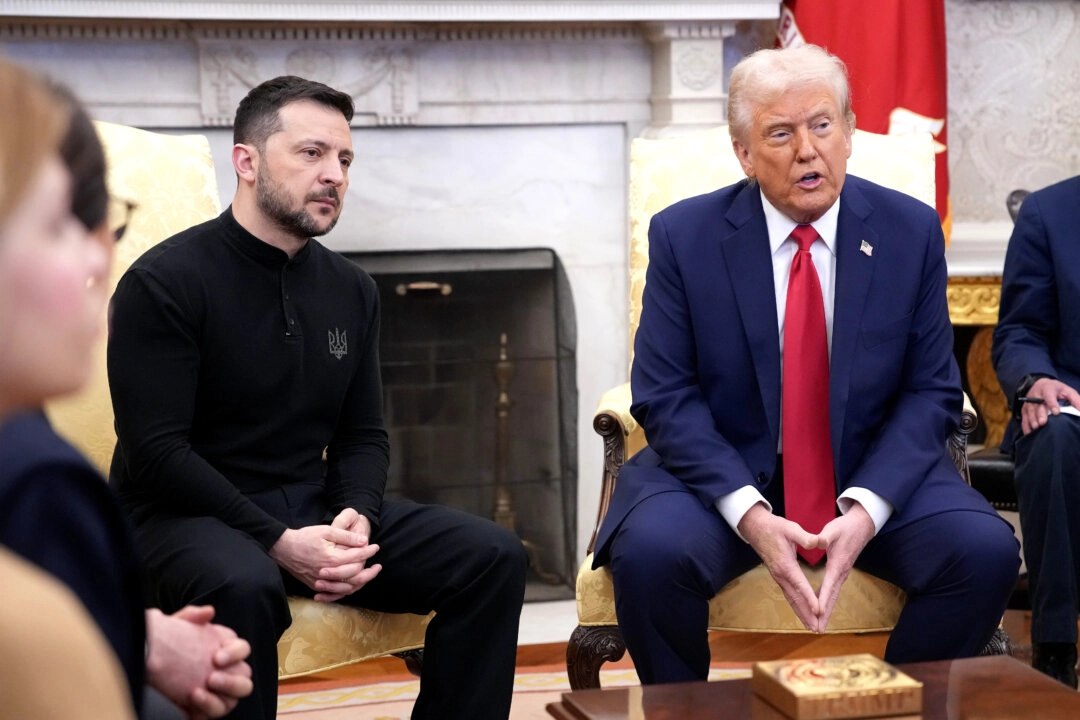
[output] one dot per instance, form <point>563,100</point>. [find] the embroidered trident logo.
<point>339,343</point>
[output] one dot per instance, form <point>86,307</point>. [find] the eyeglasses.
<point>120,212</point>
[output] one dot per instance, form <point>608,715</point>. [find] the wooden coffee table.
<point>987,688</point>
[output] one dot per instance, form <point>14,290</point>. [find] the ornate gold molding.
<point>974,300</point>
<point>985,390</point>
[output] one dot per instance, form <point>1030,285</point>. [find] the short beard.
<point>274,204</point>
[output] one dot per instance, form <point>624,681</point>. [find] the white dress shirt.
<point>823,252</point>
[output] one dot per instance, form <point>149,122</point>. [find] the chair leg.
<point>999,644</point>
<point>588,649</point>
<point>414,660</point>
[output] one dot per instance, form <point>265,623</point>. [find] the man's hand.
<point>1034,415</point>
<point>775,539</point>
<point>337,582</point>
<point>843,538</point>
<point>349,519</point>
<point>341,554</point>
<point>199,666</point>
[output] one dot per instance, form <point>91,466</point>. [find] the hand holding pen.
<point>1045,398</point>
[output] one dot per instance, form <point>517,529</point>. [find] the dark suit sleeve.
<point>915,413</point>
<point>666,385</point>
<point>1028,320</point>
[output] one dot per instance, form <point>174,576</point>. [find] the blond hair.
<point>32,125</point>
<point>765,75</point>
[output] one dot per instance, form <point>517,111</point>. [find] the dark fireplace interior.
<point>478,363</point>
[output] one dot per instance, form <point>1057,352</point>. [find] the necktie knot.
<point>804,235</point>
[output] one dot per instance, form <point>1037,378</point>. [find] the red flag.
<point>895,55</point>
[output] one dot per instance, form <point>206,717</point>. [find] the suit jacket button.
<point>762,478</point>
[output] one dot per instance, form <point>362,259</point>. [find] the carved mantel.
<point>399,10</point>
<point>433,63</point>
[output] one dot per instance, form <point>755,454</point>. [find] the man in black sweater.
<point>239,350</point>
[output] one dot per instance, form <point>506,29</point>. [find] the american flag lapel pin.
<point>866,248</point>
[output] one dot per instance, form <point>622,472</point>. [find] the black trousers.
<point>1048,491</point>
<point>469,570</point>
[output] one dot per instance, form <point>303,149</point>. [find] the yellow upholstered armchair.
<point>167,184</point>
<point>661,173</point>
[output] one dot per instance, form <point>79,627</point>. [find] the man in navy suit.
<point>1036,354</point>
<point>704,502</point>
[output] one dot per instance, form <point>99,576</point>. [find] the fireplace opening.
<point>477,350</point>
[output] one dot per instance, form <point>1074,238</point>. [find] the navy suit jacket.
<point>1038,329</point>
<point>706,374</point>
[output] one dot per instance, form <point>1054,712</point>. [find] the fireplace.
<point>478,362</point>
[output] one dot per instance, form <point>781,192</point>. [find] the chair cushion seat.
<point>992,475</point>
<point>754,602</point>
<point>328,635</point>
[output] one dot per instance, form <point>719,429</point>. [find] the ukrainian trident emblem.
<point>339,343</point>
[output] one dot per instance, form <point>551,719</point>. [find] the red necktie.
<point>809,487</point>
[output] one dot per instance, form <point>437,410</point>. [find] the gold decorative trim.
<point>985,389</point>
<point>974,300</point>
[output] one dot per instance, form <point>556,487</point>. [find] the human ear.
<point>245,161</point>
<point>743,155</point>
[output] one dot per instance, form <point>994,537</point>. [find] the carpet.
<point>393,700</point>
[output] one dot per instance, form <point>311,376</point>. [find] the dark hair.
<point>257,115</point>
<point>84,157</point>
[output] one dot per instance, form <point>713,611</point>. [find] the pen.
<point>1032,400</point>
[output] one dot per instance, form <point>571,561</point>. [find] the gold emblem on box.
<point>847,686</point>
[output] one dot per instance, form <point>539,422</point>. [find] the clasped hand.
<point>329,559</point>
<point>198,665</point>
<point>775,540</point>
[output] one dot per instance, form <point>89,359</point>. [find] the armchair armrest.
<point>958,441</point>
<point>623,438</point>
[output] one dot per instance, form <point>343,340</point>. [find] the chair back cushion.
<point>169,181</point>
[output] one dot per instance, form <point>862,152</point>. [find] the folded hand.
<point>199,666</point>
<point>329,559</point>
<point>775,540</point>
<point>843,539</point>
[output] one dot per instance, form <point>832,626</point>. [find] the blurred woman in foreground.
<point>56,511</point>
<point>47,321</point>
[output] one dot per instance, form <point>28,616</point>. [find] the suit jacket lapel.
<point>854,270</point>
<point>749,264</point>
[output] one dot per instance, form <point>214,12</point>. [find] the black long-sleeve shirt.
<point>231,368</point>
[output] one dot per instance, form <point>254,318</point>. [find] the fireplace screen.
<point>477,351</point>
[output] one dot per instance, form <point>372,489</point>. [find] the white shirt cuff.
<point>876,506</point>
<point>734,505</point>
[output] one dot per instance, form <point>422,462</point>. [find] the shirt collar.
<point>262,252</point>
<point>780,225</point>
